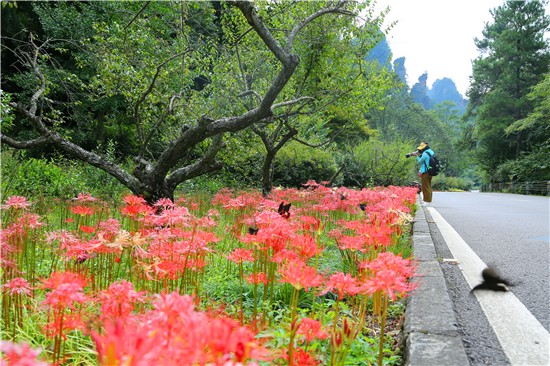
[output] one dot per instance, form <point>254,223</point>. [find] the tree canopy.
<point>514,58</point>
<point>166,82</point>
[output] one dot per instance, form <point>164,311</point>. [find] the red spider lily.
<point>66,295</point>
<point>131,344</point>
<point>82,210</point>
<point>311,329</point>
<point>246,200</point>
<point>257,278</point>
<point>353,243</point>
<point>366,236</point>
<point>134,200</point>
<point>223,196</point>
<point>17,286</point>
<point>305,246</point>
<point>136,206</point>
<point>75,248</point>
<point>174,251</point>
<point>274,232</point>
<point>23,224</point>
<point>175,216</point>
<point>341,283</point>
<point>19,355</point>
<point>198,337</point>
<point>310,223</point>
<point>119,299</point>
<point>389,273</point>
<point>285,255</point>
<point>303,358</point>
<point>109,228</point>
<point>85,197</point>
<point>240,255</point>
<point>87,229</point>
<point>164,203</point>
<point>66,290</point>
<point>61,322</point>
<point>59,278</point>
<point>16,202</point>
<point>173,333</point>
<point>311,184</point>
<point>299,275</point>
<point>230,343</point>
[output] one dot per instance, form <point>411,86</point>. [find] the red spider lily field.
<point>312,276</point>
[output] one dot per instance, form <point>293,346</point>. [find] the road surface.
<point>512,234</point>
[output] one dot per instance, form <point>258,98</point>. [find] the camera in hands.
<point>414,153</point>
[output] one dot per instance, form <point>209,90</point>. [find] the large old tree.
<point>171,78</point>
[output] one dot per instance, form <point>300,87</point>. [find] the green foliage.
<point>445,183</point>
<point>502,81</point>
<point>296,164</point>
<point>43,178</point>
<point>376,162</point>
<point>6,112</point>
<point>538,121</point>
<point>529,167</point>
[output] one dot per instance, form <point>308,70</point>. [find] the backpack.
<point>433,165</point>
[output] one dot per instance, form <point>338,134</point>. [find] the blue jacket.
<point>424,160</point>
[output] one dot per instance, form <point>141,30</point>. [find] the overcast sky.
<point>437,36</point>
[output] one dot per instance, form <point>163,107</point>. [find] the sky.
<point>437,36</point>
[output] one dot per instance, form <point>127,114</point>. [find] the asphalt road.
<point>512,234</point>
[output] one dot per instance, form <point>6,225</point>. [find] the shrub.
<point>444,183</point>
<point>31,177</point>
<point>296,164</point>
<point>374,163</point>
<point>530,167</point>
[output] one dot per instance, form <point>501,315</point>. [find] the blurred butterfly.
<point>492,281</point>
<point>253,230</point>
<point>284,210</point>
<point>362,206</point>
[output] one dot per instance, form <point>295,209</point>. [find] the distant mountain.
<point>400,70</point>
<point>381,53</point>
<point>445,90</point>
<point>419,92</point>
<point>442,90</point>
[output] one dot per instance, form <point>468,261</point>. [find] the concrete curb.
<point>431,337</point>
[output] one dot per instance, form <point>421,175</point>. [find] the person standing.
<point>423,159</point>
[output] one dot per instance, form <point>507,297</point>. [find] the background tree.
<point>514,58</point>
<point>176,77</point>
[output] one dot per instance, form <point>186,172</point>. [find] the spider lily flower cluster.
<point>203,281</point>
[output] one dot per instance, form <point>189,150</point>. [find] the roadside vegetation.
<point>301,277</point>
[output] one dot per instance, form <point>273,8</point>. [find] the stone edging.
<point>430,333</point>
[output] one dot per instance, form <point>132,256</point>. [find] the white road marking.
<point>524,340</point>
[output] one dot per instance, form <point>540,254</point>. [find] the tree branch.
<point>206,164</point>
<point>157,125</point>
<point>149,90</point>
<point>42,140</point>
<point>247,8</point>
<point>137,15</point>
<point>55,139</point>
<point>335,10</point>
<point>291,102</point>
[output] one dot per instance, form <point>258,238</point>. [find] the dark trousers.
<point>426,187</point>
